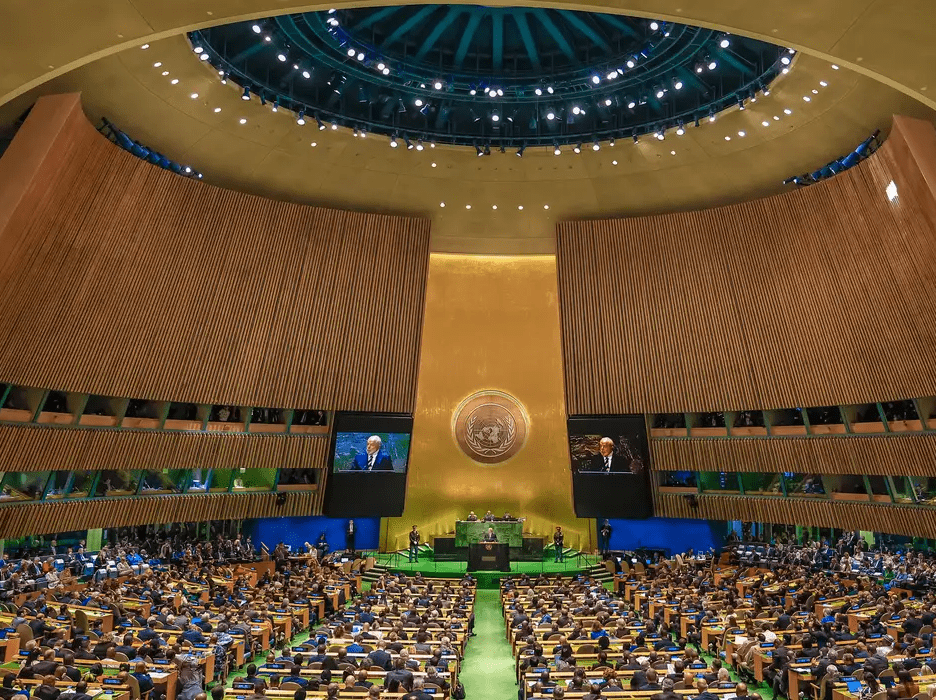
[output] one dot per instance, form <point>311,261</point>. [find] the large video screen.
<point>610,462</point>
<point>368,452</point>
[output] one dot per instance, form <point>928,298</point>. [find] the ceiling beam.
<point>554,32</point>
<point>437,32</point>
<point>473,21</point>
<point>527,37</point>
<point>417,18</point>
<point>573,19</point>
<point>497,40</point>
<point>377,16</point>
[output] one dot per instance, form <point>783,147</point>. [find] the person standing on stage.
<point>604,539</point>
<point>414,544</point>
<point>350,532</point>
<point>490,535</point>
<point>558,542</point>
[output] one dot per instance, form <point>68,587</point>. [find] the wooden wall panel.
<point>903,520</point>
<point>40,448</point>
<point>819,296</point>
<point>124,279</point>
<point>913,455</point>
<point>42,518</point>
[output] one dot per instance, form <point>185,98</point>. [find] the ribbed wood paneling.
<point>39,448</point>
<point>913,455</point>
<point>42,518</point>
<point>124,279</point>
<point>900,520</point>
<point>819,296</point>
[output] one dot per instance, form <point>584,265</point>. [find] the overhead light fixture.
<point>611,142</point>
<point>198,49</point>
<point>256,29</point>
<point>351,52</point>
<point>712,65</point>
<point>577,148</point>
<point>360,56</point>
<point>785,60</point>
<point>275,106</point>
<point>607,102</point>
<point>654,25</point>
<point>334,126</point>
<point>677,83</point>
<point>521,150</point>
<point>385,71</point>
<point>437,85</point>
<point>549,89</point>
<point>145,47</point>
<point>631,103</point>
<point>576,109</point>
<point>612,75</point>
<point>630,63</point>
<point>680,130</point>
<point>556,150</point>
<point>300,120</point>
<point>281,57</point>
<point>538,91</point>
<point>596,79</point>
<point>479,151</point>
<point>418,102</point>
<point>724,43</point>
<point>394,144</point>
<point>660,92</point>
<point>246,95</point>
<point>550,115</point>
<point>203,57</point>
<point>318,121</point>
<point>495,117</point>
<point>596,146</point>
<point>419,145</point>
<point>306,74</point>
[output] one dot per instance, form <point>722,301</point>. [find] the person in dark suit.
<point>373,459</point>
<point>490,535</point>
<point>558,542</point>
<point>350,532</point>
<point>606,460</point>
<point>414,544</point>
<point>604,537</point>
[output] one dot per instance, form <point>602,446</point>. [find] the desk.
<point>470,531</point>
<point>489,556</point>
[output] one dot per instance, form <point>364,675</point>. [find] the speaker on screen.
<point>369,457</point>
<point>610,461</point>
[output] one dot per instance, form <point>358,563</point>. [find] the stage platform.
<point>574,563</point>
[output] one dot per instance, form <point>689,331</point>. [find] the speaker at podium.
<point>489,556</point>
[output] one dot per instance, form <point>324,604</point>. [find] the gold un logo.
<point>490,426</point>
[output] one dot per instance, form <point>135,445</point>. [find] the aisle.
<point>488,667</point>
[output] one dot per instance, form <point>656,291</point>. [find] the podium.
<point>488,556</point>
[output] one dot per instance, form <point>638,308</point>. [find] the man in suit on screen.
<point>607,461</point>
<point>374,458</point>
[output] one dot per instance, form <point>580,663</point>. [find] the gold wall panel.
<point>491,323</point>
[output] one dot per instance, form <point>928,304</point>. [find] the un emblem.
<point>490,426</point>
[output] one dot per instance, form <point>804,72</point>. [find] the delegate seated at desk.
<point>472,518</point>
<point>490,535</point>
<point>488,517</point>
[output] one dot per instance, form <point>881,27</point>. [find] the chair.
<point>586,649</point>
<point>641,650</point>
<point>134,686</point>
<point>25,632</point>
<point>880,695</point>
<point>926,629</point>
<point>317,665</point>
<point>921,696</point>
<point>120,656</point>
<point>81,620</point>
<point>367,648</point>
<point>887,673</point>
<point>679,685</point>
<point>290,685</point>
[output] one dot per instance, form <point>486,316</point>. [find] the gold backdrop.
<point>491,322</point>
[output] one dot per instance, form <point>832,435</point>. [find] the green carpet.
<point>488,667</point>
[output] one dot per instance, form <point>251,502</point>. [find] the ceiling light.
<point>203,57</point>
<point>306,74</point>
<point>256,29</point>
<point>198,49</point>
<point>217,109</point>
<point>724,43</point>
<point>815,92</point>
<point>165,73</point>
<point>660,92</point>
<point>678,84</point>
<point>577,148</point>
<point>672,153</point>
<point>611,142</point>
<point>785,71</point>
<point>654,25</point>
<point>394,144</point>
<point>158,64</point>
<point>742,134</point>
<point>660,135</point>
<point>891,191</point>
<point>433,164</point>
<point>680,130</point>
<point>608,102</point>
<point>712,65</point>
<point>550,89</point>
<point>360,56</point>
<point>557,151</point>
<point>613,162</point>
<point>711,118</point>
<point>467,206</point>
<point>785,60</point>
<point>823,83</point>
<point>520,207</point>
<point>351,52</point>
<point>381,65</point>
<point>281,57</point>
<point>538,91</point>
<point>612,75</point>
<point>630,63</point>
<point>419,145</point>
<point>495,117</point>
<point>631,104</point>
<point>479,151</point>
<point>636,138</point>
<point>834,67</point>
<point>776,118</point>
<point>788,111</point>
<point>188,169</point>
<point>268,38</point>
<point>314,144</point>
<point>550,115</point>
<point>765,123</point>
<point>442,204</point>
<point>174,81</point>
<point>386,71</point>
<point>545,206</point>
<point>145,46</point>
<point>437,85</point>
<point>727,138</point>
<point>807,98</point>
<point>418,102</point>
<point>500,92</point>
<point>334,126</point>
<point>576,110</point>
<point>300,119</point>
<point>766,92</point>
<point>521,150</point>
<point>243,120</point>
<point>596,79</point>
<point>596,146</point>
<point>246,95</point>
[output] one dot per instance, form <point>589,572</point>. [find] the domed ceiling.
<point>490,77</point>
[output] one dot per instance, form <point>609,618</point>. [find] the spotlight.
<point>418,102</point>
<point>437,85</point>
<point>596,79</point>
<point>521,150</point>
<point>479,151</point>
<point>550,89</point>
<point>360,56</point>
<point>677,83</point>
<point>487,149</point>
<point>576,110</point>
<point>306,74</point>
<point>631,103</point>
<point>203,57</point>
<point>351,52</point>
<point>724,43</point>
<point>500,92</point>
<point>660,135</point>
<point>785,60</point>
<point>393,142</point>
<point>381,65</point>
<point>300,120</point>
<point>680,130</point>
<point>246,95</point>
<point>607,102</point>
<point>538,91</point>
<point>654,26</point>
<point>385,71</point>
<point>630,63</point>
<point>281,57</point>
<point>409,144</point>
<point>612,75</point>
<point>712,65</point>
<point>355,132</point>
<point>741,103</point>
<point>198,49</point>
<point>660,92</point>
<point>550,115</point>
<point>636,140</point>
<point>766,92</point>
<point>596,146</point>
<point>256,29</point>
<point>145,47</point>
<point>419,145</point>
<point>318,121</point>
<point>556,150</point>
<point>577,148</point>
<point>611,142</point>
<point>495,117</point>
<point>334,126</point>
